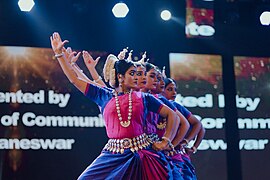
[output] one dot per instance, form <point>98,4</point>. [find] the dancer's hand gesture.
<point>160,145</point>
<point>56,43</point>
<point>72,58</point>
<point>89,61</point>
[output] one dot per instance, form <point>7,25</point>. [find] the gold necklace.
<point>117,105</point>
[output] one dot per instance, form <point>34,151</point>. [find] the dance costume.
<point>157,130</point>
<point>188,170</point>
<point>128,153</point>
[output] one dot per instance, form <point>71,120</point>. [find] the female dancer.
<point>197,131</point>
<point>128,154</point>
<point>170,93</point>
<point>156,87</point>
<point>152,82</point>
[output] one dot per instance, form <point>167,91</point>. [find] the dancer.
<point>161,123</point>
<point>128,154</point>
<point>197,131</point>
<point>151,85</point>
<point>141,73</point>
<point>170,93</point>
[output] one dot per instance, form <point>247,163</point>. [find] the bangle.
<point>59,55</point>
<point>98,79</point>
<point>194,149</point>
<point>169,142</point>
<point>167,139</point>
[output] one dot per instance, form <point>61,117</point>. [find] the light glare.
<point>15,51</point>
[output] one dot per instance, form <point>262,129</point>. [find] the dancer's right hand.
<point>56,43</point>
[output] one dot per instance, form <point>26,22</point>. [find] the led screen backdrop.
<point>199,77</point>
<point>199,19</point>
<point>48,129</point>
<point>253,102</point>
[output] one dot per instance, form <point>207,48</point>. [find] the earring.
<point>120,80</point>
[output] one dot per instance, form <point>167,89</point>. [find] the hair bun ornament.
<point>112,78</point>
<point>109,71</point>
<point>143,58</point>
<point>130,55</point>
<point>164,72</point>
<point>122,54</point>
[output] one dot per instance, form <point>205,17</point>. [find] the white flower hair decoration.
<point>142,60</point>
<point>109,70</point>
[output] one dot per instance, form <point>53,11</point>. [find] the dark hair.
<point>149,66</point>
<point>121,67</point>
<point>158,69</point>
<point>169,81</point>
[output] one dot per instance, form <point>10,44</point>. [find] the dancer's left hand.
<point>159,146</point>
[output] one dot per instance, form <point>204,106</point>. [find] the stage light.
<point>165,15</point>
<point>120,10</point>
<point>26,5</point>
<point>265,18</point>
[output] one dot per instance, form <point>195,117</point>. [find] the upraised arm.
<point>91,64</point>
<point>57,46</point>
<point>72,59</point>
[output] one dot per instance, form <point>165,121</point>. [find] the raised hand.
<point>72,58</point>
<point>89,61</point>
<point>57,43</point>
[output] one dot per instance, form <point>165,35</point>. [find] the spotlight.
<point>265,18</point>
<point>120,10</point>
<point>165,15</point>
<point>26,5</point>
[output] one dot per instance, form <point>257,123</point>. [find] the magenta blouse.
<point>142,104</point>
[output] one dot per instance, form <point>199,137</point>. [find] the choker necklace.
<point>124,123</point>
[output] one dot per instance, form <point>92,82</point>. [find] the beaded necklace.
<point>117,105</point>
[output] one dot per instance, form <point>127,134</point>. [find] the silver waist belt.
<point>134,144</point>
